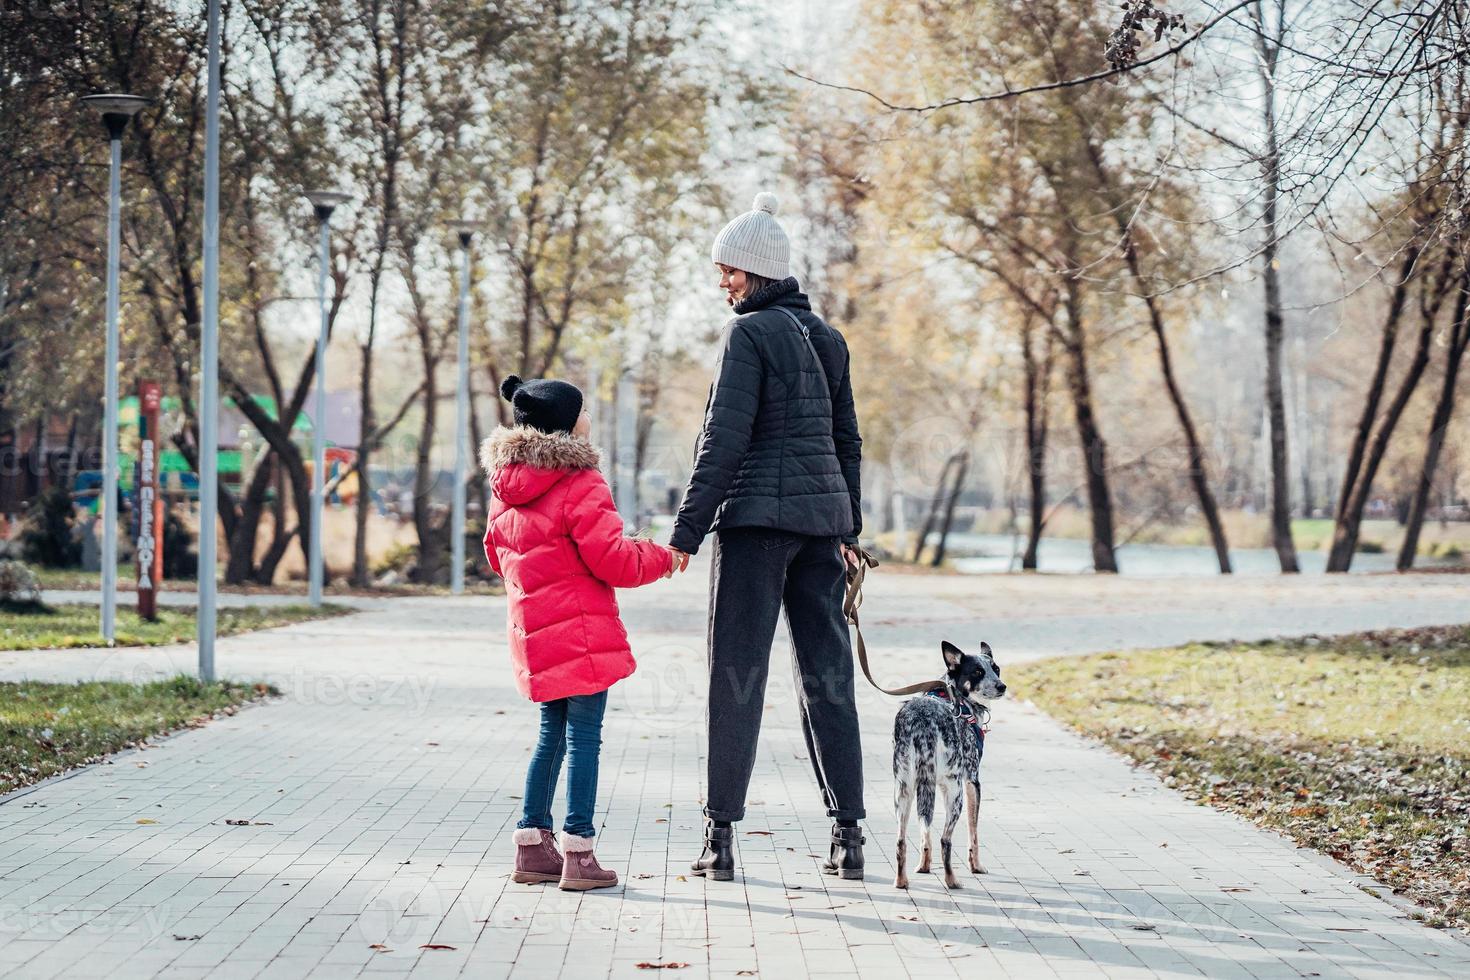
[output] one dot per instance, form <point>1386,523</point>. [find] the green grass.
<point>78,580</point>
<point>76,625</point>
<point>48,728</point>
<point>1354,746</point>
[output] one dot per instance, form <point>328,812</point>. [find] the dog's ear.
<point>985,650</point>
<point>952,654</point>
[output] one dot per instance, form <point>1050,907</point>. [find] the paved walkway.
<point>384,785</point>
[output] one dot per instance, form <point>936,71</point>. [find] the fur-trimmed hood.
<point>524,462</point>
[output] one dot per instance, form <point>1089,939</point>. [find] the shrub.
<point>50,536</point>
<point>179,560</point>
<point>398,558</point>
<point>18,585</point>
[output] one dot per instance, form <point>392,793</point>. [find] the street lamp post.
<point>208,448</point>
<point>116,110</point>
<point>466,231</point>
<point>324,203</point>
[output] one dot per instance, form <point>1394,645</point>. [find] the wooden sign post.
<point>149,502</point>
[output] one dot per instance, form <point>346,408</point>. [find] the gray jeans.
<point>755,572</point>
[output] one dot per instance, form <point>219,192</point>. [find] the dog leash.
<point>850,604</point>
<point>854,597</point>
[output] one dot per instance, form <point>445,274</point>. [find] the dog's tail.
<point>924,787</point>
<point>913,772</point>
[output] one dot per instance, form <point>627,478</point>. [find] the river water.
<point>976,554</point>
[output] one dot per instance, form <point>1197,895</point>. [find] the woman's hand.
<point>851,556</point>
<point>680,562</point>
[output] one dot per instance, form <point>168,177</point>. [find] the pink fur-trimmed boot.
<point>537,859</point>
<point>580,871</point>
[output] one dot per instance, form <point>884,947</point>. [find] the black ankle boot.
<point>718,860</point>
<point>846,858</point>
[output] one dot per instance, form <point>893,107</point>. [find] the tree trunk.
<point>1089,435</point>
<point>1198,468</point>
<point>265,573</point>
<point>934,505</point>
<point>431,536</point>
<point>1336,561</point>
<point>240,565</point>
<point>477,478</point>
<point>1350,517</point>
<point>361,574</point>
<point>962,466</point>
<point>1275,400</point>
<point>1444,410</point>
<point>69,469</point>
<point>1037,389</point>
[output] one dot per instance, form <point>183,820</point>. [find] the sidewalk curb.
<point>1365,883</point>
<point>112,757</point>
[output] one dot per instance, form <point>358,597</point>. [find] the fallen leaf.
<point>187,939</point>
<point>146,820</point>
<point>437,946</point>
<point>661,966</point>
<point>758,833</point>
<point>680,878</point>
<point>1235,888</point>
<point>380,948</point>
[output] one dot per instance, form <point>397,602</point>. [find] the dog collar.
<point>975,715</point>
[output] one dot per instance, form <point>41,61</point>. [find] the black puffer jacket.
<point>776,450</point>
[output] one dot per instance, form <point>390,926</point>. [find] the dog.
<point>939,740</point>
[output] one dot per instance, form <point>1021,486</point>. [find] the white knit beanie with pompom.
<point>755,241</point>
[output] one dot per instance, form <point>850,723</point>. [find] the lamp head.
<point>326,201</point>
<point>116,109</point>
<point>465,228</point>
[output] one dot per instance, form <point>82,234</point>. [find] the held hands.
<point>681,560</point>
<point>679,563</point>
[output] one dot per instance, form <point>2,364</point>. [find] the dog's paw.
<point>901,882</point>
<point>950,881</point>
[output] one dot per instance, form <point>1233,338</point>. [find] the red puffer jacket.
<point>555,537</point>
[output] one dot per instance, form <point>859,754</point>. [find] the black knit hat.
<point>543,403</point>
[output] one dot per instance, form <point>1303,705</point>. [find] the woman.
<point>776,476</point>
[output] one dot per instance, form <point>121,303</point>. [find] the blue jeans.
<point>570,727</point>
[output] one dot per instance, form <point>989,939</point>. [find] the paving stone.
<point>390,773</point>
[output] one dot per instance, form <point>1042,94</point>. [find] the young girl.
<point>555,537</point>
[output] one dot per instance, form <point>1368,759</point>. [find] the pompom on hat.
<point>755,241</point>
<point>543,403</point>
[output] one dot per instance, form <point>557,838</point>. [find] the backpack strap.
<point>806,335</point>
<point>854,597</point>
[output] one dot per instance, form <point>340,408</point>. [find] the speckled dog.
<point>938,738</point>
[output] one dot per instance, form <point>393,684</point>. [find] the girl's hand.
<point>680,562</point>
